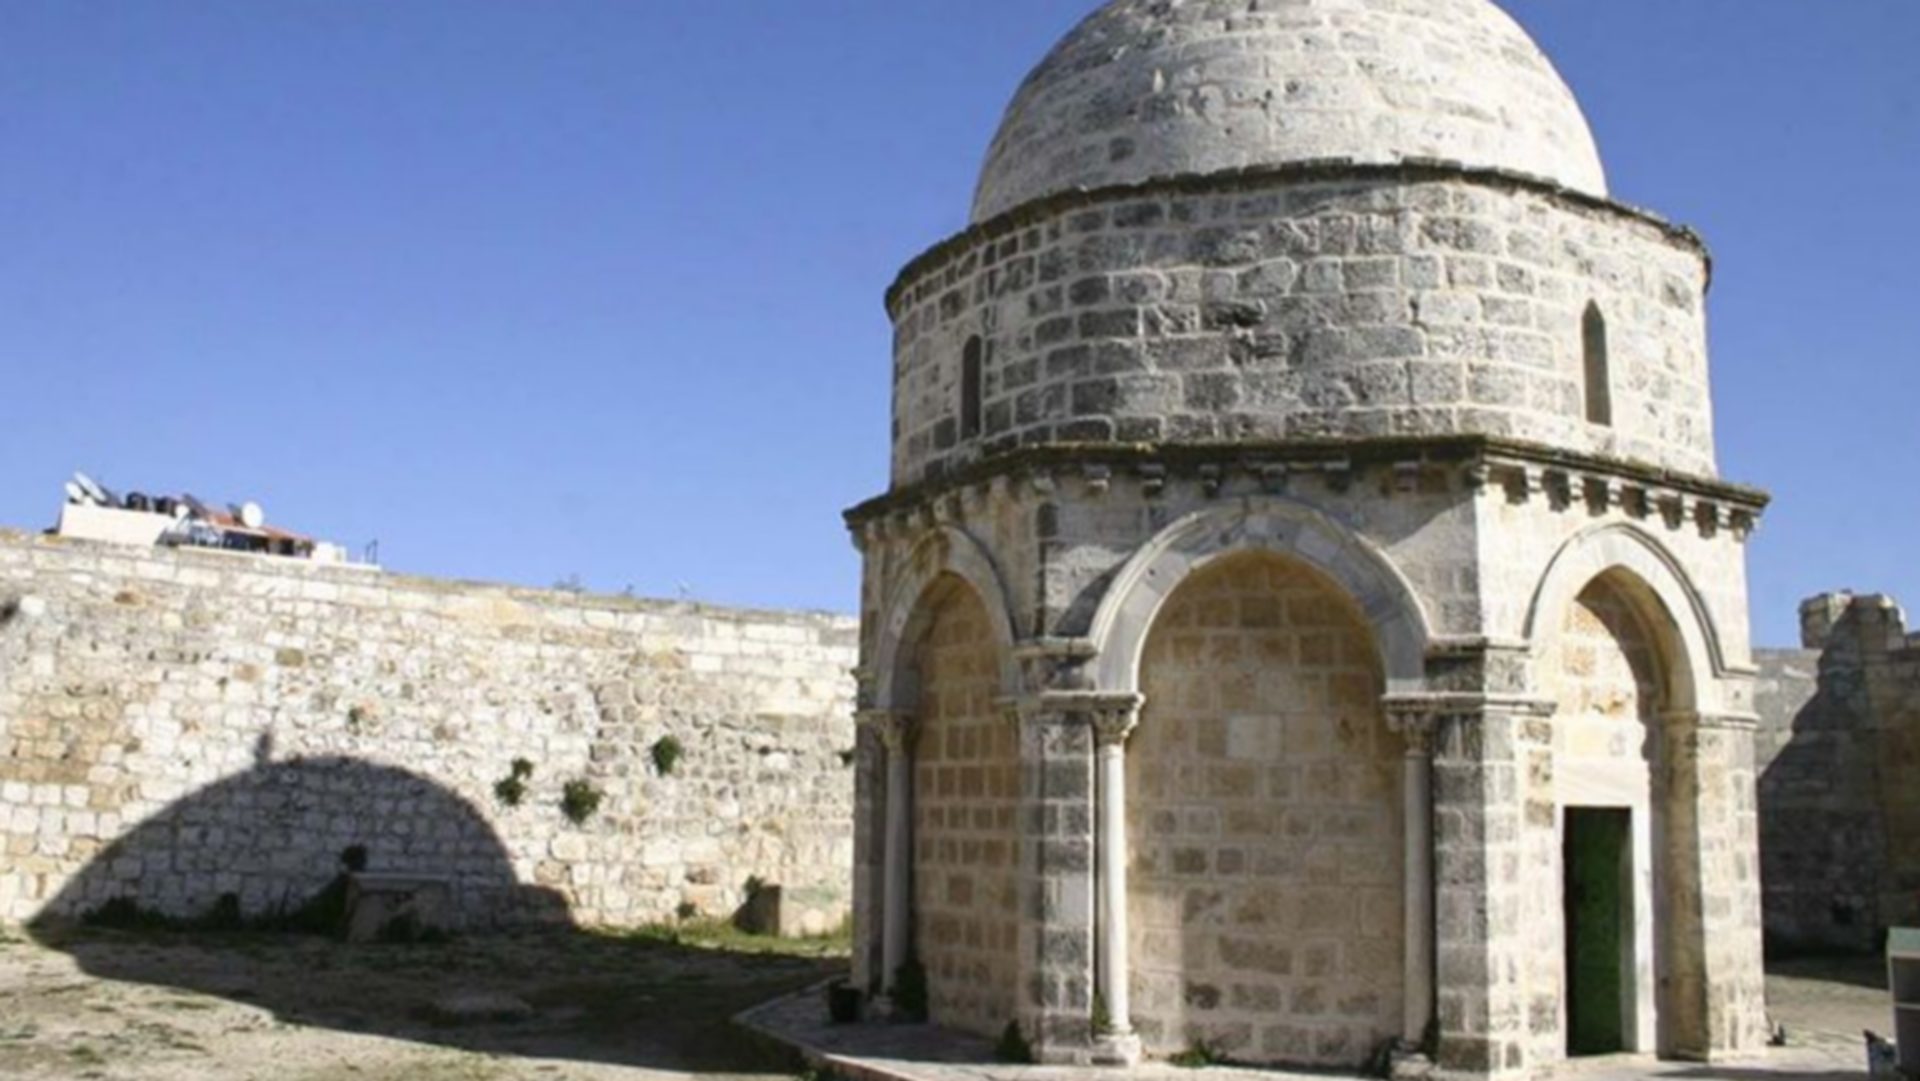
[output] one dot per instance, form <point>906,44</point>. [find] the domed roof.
<point>1155,88</point>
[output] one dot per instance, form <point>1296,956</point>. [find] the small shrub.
<point>1102,1017</point>
<point>512,789</point>
<point>754,887</point>
<point>127,914</point>
<point>1197,1056</point>
<point>579,800</point>
<point>848,757</point>
<point>353,859</point>
<point>1013,1046</point>
<point>406,929</point>
<point>666,753</point>
<point>225,915</point>
<point>687,910</point>
<point>910,991</point>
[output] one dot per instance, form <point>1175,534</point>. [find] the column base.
<point>883,1009</point>
<point>1409,1066</point>
<point>1117,1049</point>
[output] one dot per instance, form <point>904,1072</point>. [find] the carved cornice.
<point>1570,481</point>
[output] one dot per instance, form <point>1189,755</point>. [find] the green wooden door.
<point>1597,861</point>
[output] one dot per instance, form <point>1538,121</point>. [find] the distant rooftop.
<point>93,511</point>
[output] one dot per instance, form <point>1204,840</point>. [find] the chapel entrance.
<point>1598,859</point>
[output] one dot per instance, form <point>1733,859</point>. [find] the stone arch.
<point>1265,848</point>
<point>1641,613</point>
<point>1260,524</point>
<point>947,552</point>
<point>1671,603</point>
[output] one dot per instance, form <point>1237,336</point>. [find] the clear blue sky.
<point>528,290</point>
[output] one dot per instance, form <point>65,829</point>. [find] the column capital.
<point>1415,723</point>
<point>895,727</point>
<point>1114,717</point>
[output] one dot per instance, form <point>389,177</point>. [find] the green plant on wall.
<point>1013,1046</point>
<point>910,991</point>
<point>579,800</point>
<point>512,789</point>
<point>667,753</point>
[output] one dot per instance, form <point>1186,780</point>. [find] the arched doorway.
<point>966,789</point>
<point>1609,941</point>
<point>1265,890</point>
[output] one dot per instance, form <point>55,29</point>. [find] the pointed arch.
<point>1259,524</point>
<point>1664,591</point>
<point>945,553</point>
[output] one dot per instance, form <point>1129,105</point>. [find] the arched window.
<point>971,360</point>
<point>1593,333</point>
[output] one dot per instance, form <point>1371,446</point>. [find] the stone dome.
<point>1145,89</point>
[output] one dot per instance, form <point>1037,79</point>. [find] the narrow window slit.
<point>1599,380</point>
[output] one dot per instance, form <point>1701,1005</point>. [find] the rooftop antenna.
<point>92,490</point>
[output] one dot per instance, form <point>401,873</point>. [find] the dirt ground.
<point>170,1006</point>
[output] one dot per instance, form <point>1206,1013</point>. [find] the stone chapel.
<point>1307,621</point>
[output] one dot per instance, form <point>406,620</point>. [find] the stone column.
<point>869,868</point>
<point>1714,1001</point>
<point>896,732</point>
<point>1479,901</point>
<point>1416,727</point>
<point>1057,863</point>
<point>1114,719</point>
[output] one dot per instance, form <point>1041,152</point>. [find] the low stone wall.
<point>177,726</point>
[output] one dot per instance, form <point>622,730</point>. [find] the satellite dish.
<point>252,515</point>
<point>93,491</point>
<point>76,494</point>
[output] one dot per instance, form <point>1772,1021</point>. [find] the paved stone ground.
<point>1824,1004</point>
<point>196,1007</point>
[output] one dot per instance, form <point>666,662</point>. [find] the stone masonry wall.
<point>1264,822</point>
<point>967,845</point>
<point>175,726</point>
<point>1351,307</point>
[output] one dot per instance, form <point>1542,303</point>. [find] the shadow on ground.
<point>659,999</point>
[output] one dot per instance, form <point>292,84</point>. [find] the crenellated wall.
<point>1839,747</point>
<point>175,726</point>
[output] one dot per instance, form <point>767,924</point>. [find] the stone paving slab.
<point>891,1052</point>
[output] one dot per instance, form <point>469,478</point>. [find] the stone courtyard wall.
<point>1838,750</point>
<point>175,726</point>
